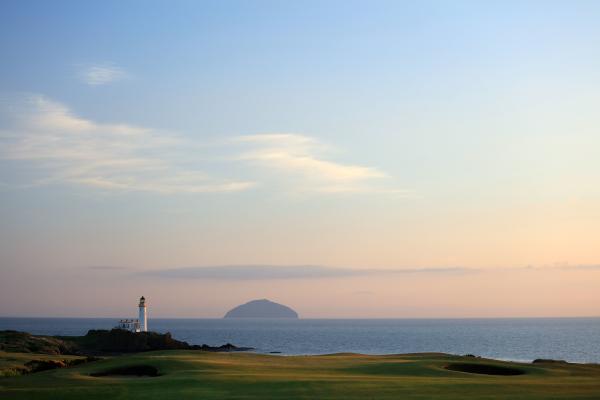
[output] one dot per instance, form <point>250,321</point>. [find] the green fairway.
<point>205,375</point>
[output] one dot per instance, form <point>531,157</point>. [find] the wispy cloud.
<point>566,266</point>
<point>258,272</point>
<point>304,157</point>
<point>107,268</point>
<point>101,74</point>
<point>66,148</point>
<point>69,149</point>
<point>273,272</point>
<point>295,272</point>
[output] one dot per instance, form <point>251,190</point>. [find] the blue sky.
<point>363,135</point>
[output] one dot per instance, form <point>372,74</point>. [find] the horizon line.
<point>313,318</point>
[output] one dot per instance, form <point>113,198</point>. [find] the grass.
<point>205,375</point>
<point>13,364</point>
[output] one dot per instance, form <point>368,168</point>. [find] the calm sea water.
<point>523,339</point>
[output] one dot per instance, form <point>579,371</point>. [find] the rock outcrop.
<point>100,342</point>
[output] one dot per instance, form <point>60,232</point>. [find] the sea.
<point>514,339</point>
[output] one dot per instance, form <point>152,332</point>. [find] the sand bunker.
<point>130,370</point>
<point>484,369</point>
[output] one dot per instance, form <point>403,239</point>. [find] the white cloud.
<point>101,74</point>
<point>70,149</point>
<point>304,157</point>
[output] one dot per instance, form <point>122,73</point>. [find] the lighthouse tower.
<point>142,317</point>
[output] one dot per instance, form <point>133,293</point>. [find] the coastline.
<point>507,339</point>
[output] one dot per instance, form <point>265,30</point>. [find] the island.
<point>261,309</point>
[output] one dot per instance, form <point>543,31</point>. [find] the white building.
<point>136,325</point>
<point>132,325</point>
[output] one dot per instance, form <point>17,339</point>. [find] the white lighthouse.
<point>136,325</point>
<point>142,317</point>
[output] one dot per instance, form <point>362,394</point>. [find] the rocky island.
<point>261,309</point>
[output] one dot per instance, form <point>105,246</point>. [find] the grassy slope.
<point>14,341</point>
<point>11,363</point>
<point>201,375</point>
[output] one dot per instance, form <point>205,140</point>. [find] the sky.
<point>350,159</point>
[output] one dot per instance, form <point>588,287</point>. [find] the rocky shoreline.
<point>101,342</point>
